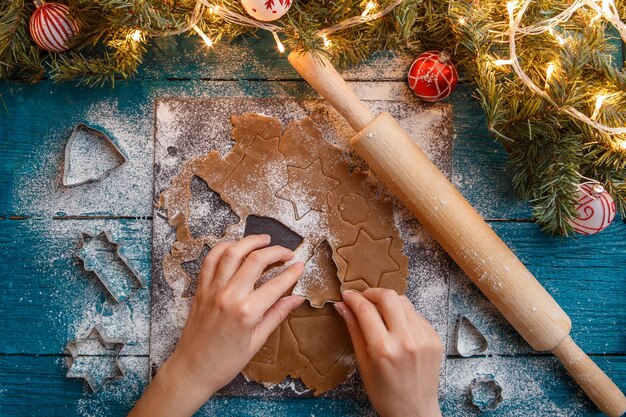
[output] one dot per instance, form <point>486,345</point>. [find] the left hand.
<point>228,323</point>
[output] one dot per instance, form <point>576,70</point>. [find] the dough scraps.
<point>337,220</point>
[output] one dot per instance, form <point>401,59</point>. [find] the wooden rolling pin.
<point>459,229</point>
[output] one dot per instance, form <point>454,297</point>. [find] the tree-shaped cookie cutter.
<point>78,130</point>
<point>76,349</point>
<point>119,292</point>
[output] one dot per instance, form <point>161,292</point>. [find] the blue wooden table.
<point>46,299</point>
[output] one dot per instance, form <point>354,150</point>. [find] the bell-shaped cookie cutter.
<point>469,340</point>
<point>119,292</point>
<point>485,392</point>
<point>82,129</point>
<point>76,349</point>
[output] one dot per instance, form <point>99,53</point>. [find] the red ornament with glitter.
<point>596,210</point>
<point>51,27</point>
<point>432,76</point>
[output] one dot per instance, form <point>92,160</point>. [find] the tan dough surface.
<point>349,237</point>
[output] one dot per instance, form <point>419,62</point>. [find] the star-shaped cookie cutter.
<point>117,292</point>
<point>76,347</point>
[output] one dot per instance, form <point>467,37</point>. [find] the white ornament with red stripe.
<point>51,26</point>
<point>596,209</point>
<point>433,76</point>
<point>266,10</point>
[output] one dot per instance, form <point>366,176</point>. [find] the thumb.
<point>275,316</point>
<point>358,340</point>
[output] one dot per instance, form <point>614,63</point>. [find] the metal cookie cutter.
<point>101,255</point>
<point>485,392</point>
<point>91,358</point>
<point>469,340</point>
<point>90,156</point>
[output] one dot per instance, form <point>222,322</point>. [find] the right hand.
<point>397,350</point>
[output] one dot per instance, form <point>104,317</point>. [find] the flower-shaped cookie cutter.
<point>83,358</point>
<point>485,392</point>
<point>118,276</point>
<point>74,174</point>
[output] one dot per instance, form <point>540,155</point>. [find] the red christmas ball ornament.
<point>596,210</point>
<point>432,76</point>
<point>51,27</point>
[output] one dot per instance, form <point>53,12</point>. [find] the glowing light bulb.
<point>327,42</point>
<point>203,35</point>
<point>136,35</point>
<point>558,37</point>
<point>279,44</point>
<point>510,7</point>
<point>501,62</point>
<point>462,21</point>
<point>599,102</point>
<point>623,144</point>
<point>368,8</point>
<point>549,72</point>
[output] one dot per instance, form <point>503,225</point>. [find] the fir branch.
<point>19,58</point>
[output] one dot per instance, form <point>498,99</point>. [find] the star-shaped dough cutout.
<point>307,188</point>
<point>368,259</point>
<point>95,358</point>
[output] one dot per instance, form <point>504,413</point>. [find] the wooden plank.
<point>36,385</point>
<point>47,299</point>
<point>28,382</point>
<point>45,286</point>
<point>531,386</point>
<point>250,58</point>
<point>32,146</point>
<point>479,163</point>
<point>584,274</point>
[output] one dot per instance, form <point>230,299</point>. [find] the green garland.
<point>105,48</point>
<point>550,152</point>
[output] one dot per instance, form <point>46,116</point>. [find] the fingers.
<point>234,255</point>
<point>269,293</point>
<point>210,262</point>
<point>274,316</point>
<point>368,317</point>
<point>358,340</point>
<point>391,308</point>
<point>257,261</point>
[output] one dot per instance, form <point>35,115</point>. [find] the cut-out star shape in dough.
<point>307,188</point>
<point>95,358</point>
<point>368,259</point>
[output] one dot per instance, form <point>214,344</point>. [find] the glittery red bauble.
<point>51,27</point>
<point>432,76</point>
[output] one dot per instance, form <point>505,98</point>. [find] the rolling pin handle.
<point>325,79</point>
<point>596,384</point>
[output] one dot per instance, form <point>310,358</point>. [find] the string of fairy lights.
<point>606,10</point>
<point>238,19</point>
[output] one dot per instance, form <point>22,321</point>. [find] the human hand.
<point>228,323</point>
<point>397,350</point>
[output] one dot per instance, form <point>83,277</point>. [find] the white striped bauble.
<point>596,210</point>
<point>51,27</point>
